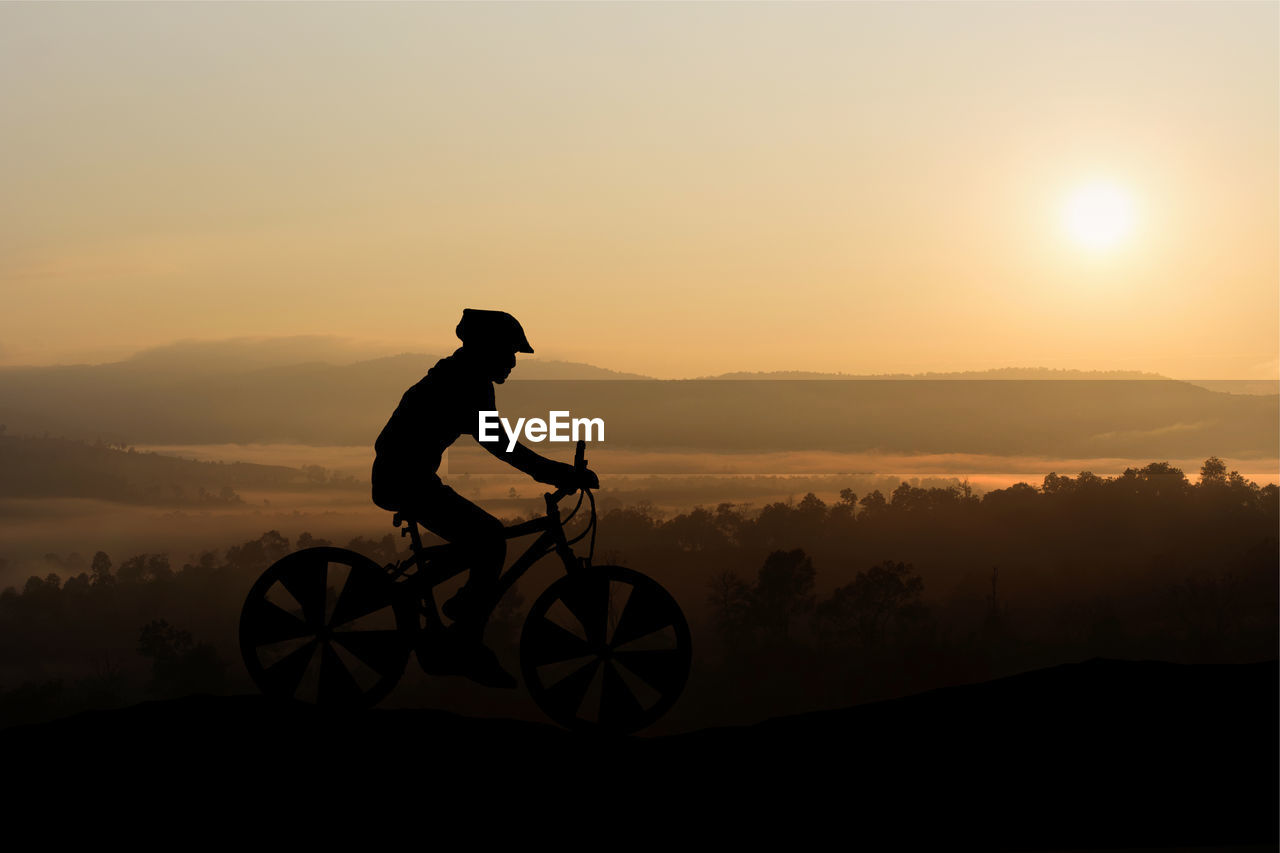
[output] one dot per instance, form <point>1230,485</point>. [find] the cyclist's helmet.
<point>492,329</point>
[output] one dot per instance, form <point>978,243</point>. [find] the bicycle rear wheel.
<point>605,649</point>
<point>326,625</point>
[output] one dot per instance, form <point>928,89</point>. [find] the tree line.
<point>794,605</point>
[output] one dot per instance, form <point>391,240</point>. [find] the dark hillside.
<point>1103,754</point>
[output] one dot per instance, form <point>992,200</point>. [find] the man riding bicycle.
<point>442,406</point>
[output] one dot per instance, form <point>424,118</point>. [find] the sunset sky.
<point>673,189</point>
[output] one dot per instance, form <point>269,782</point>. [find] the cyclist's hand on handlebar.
<point>571,479</point>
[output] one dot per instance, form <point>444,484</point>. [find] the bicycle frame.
<point>436,563</point>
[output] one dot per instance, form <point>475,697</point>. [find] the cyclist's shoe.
<point>480,664</point>
<point>465,606</point>
<point>450,654</point>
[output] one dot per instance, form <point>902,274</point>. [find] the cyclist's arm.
<point>538,467</point>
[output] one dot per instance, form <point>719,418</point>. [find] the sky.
<point>674,189</point>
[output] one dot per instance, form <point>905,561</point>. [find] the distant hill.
<point>244,355</point>
<point>1098,755</point>
<point>1258,387</point>
<point>1024,373</point>
<point>190,394</point>
<point>153,399</point>
<point>194,357</point>
<point>61,468</point>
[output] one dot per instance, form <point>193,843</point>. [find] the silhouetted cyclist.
<point>432,414</point>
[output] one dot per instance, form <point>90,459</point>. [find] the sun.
<point>1099,215</point>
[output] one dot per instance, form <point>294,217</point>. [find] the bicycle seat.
<point>411,530</point>
<point>398,519</point>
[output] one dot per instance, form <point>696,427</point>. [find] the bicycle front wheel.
<point>326,625</point>
<point>605,649</point>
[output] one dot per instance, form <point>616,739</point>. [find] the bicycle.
<point>603,648</point>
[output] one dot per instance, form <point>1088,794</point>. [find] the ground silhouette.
<point>1102,754</point>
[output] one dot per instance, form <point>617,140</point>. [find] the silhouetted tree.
<point>1214,470</point>
<point>873,504</point>
<point>179,665</point>
<point>306,540</point>
<point>101,570</point>
<point>862,612</point>
<point>258,554</point>
<point>77,584</point>
<point>696,530</point>
<point>206,564</point>
<point>783,595</point>
<point>145,567</point>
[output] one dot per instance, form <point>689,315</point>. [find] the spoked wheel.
<point>605,649</point>
<point>326,625</point>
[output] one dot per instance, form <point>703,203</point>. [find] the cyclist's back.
<point>442,406</point>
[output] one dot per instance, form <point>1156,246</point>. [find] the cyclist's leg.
<point>480,538</point>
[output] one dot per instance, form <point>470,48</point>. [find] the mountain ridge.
<point>248,354</point>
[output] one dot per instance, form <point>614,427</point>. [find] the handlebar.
<point>579,465</point>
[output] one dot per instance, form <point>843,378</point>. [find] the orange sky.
<point>671,189</point>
